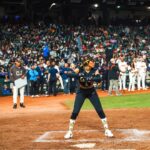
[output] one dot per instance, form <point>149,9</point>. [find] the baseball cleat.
<point>15,106</point>
<point>68,135</point>
<point>22,105</point>
<point>108,133</point>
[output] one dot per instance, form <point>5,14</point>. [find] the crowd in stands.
<point>48,53</point>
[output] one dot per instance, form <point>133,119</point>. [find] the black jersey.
<point>86,79</point>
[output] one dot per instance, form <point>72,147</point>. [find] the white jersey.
<point>118,61</point>
<point>141,67</point>
<point>123,66</point>
<point>135,64</point>
<point>132,71</point>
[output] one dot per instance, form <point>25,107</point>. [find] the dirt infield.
<point>42,124</point>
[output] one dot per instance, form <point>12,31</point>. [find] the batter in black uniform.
<point>86,76</point>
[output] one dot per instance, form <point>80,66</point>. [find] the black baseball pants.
<point>91,94</point>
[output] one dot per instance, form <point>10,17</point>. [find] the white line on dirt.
<point>69,140</point>
<point>42,137</point>
<point>136,135</point>
<point>110,149</point>
<point>132,135</point>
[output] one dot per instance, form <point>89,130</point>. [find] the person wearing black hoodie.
<point>113,75</point>
<point>52,79</point>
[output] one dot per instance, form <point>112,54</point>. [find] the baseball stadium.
<point>75,74</point>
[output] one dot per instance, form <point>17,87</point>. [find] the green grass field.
<point>128,101</point>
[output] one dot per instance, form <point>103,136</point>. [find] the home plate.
<point>84,145</point>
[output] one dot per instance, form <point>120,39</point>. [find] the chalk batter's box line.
<point>87,148</point>
<point>42,138</point>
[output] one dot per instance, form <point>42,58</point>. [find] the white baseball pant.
<point>141,78</point>
<point>15,94</point>
<point>132,78</point>
<point>122,81</point>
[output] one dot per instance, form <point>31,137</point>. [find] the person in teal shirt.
<point>33,77</point>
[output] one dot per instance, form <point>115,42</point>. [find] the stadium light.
<point>53,4</point>
<point>118,6</point>
<point>138,21</point>
<point>148,7</point>
<point>96,5</point>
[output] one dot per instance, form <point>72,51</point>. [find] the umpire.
<point>17,71</point>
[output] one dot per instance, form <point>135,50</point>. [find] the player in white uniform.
<point>123,68</point>
<point>141,67</point>
<point>132,76</point>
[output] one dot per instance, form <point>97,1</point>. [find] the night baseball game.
<point>75,74</point>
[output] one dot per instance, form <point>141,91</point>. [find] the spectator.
<point>73,80</point>
<point>33,77</point>
<point>59,76</point>
<point>46,52</point>
<point>65,77</point>
<point>6,79</point>
<point>52,79</point>
<point>113,74</point>
<point>6,90</point>
<point>104,71</point>
<point>65,44</point>
<point>41,80</point>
